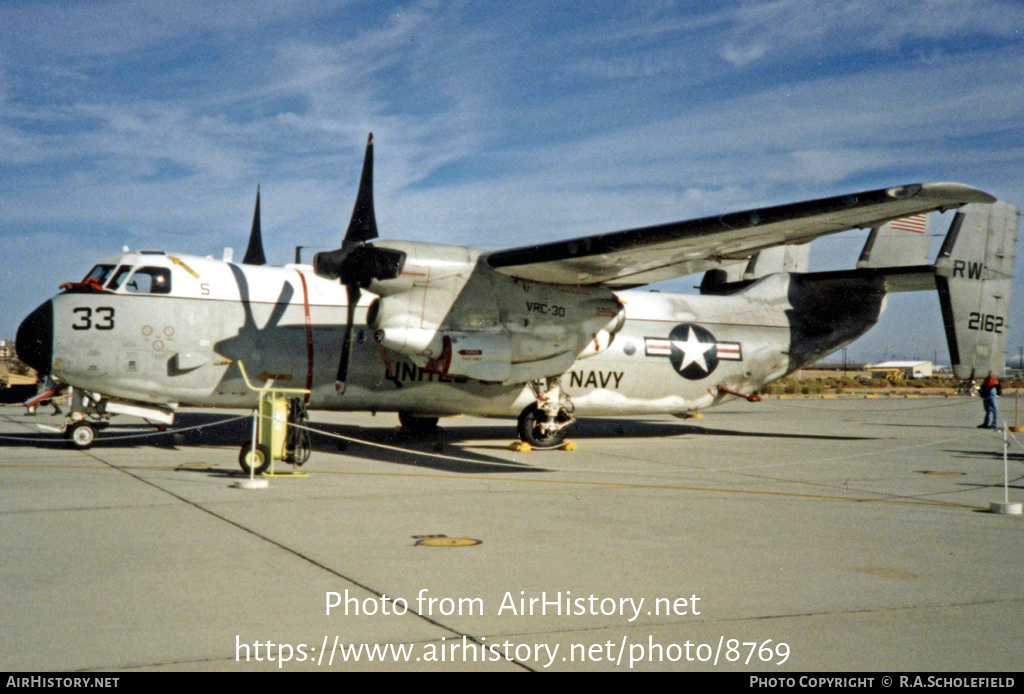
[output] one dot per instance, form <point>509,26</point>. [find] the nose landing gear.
<point>81,434</point>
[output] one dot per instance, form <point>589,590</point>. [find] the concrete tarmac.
<point>789,535</point>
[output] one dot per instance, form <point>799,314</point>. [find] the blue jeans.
<point>992,411</point>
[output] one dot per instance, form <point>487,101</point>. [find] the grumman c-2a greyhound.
<point>546,332</point>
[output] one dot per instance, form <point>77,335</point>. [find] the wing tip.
<point>957,193</point>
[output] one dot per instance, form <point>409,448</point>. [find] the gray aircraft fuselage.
<point>166,329</point>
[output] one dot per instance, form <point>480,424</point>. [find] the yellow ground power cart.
<point>277,428</point>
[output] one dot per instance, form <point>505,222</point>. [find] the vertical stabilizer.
<point>899,243</point>
<point>974,272</point>
<point>792,258</point>
<point>732,277</point>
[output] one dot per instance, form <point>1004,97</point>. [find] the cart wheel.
<point>80,434</point>
<point>260,460</point>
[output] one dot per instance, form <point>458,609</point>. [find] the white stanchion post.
<point>1005,507</point>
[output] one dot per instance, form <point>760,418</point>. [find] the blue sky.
<point>150,124</point>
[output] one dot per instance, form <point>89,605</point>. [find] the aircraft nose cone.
<point>34,341</point>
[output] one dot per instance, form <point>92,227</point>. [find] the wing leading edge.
<point>636,257</point>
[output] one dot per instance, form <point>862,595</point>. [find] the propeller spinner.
<point>357,263</point>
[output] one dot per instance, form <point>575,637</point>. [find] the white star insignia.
<point>693,351</point>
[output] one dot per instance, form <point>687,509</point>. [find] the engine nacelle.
<point>425,264</point>
<point>401,324</point>
<point>451,315</point>
<point>481,356</point>
<point>600,341</point>
<point>608,318</point>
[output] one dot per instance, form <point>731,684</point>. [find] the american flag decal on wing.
<point>918,224</point>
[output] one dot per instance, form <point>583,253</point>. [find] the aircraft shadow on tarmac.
<point>996,456</point>
<point>606,427</point>
<point>195,430</point>
<point>451,448</point>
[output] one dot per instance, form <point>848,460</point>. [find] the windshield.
<point>119,277</point>
<point>100,273</point>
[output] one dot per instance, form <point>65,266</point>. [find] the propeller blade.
<point>254,252</point>
<point>363,226</point>
<point>358,263</point>
<point>354,293</point>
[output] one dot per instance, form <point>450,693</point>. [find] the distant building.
<point>901,369</point>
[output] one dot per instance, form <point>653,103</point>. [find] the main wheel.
<point>80,434</point>
<point>416,425</point>
<point>530,429</point>
<point>248,460</point>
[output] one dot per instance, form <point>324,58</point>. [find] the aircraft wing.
<point>636,257</point>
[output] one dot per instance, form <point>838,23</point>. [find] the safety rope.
<point>321,432</point>
<point>1010,434</point>
<point>145,434</point>
<point>956,402</point>
<point>442,456</point>
<point>410,451</point>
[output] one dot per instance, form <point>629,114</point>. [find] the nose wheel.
<point>80,434</point>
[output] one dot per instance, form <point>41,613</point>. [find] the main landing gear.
<point>545,423</point>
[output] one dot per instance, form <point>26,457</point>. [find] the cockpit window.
<point>119,277</point>
<point>150,280</point>
<point>98,275</point>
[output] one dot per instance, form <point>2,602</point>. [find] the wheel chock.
<point>523,447</point>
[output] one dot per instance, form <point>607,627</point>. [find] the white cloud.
<point>493,127</point>
<point>741,56</point>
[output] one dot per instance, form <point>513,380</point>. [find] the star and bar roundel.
<point>693,350</point>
